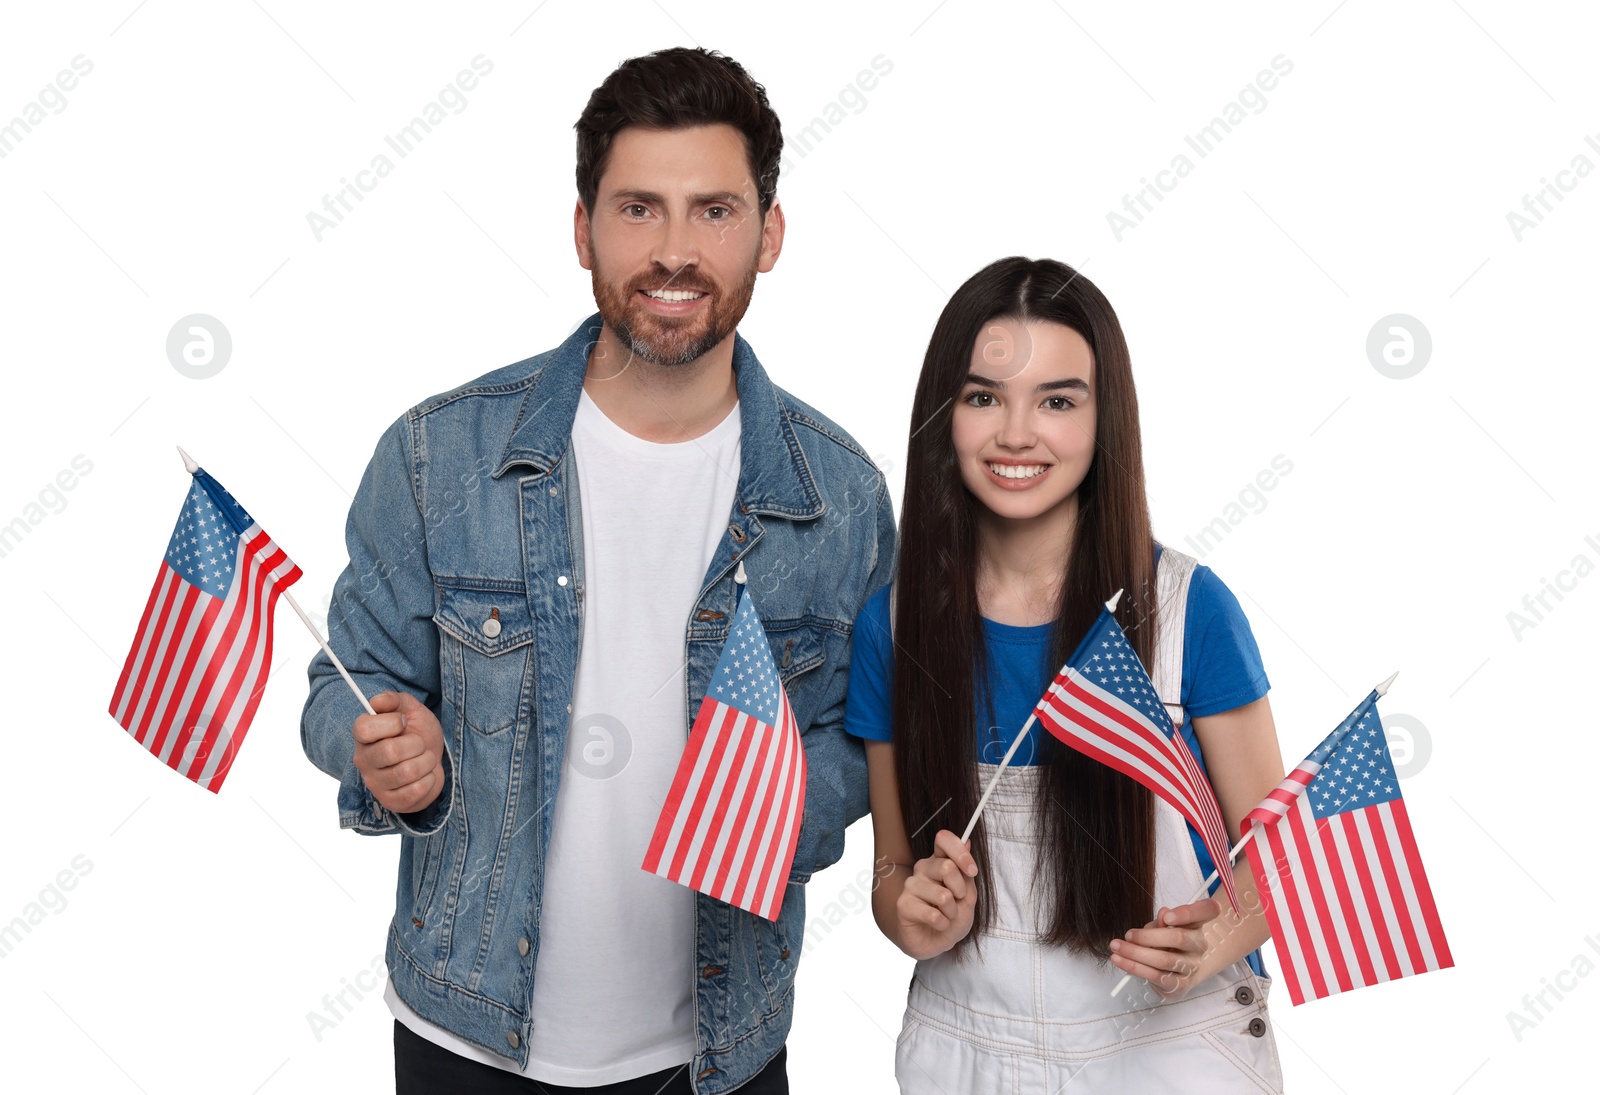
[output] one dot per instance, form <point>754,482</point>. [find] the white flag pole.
<point>1233,853</point>
<point>1111,606</point>
<point>191,467</point>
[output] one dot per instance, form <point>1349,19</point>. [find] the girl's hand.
<point>1172,952</point>
<point>935,907</point>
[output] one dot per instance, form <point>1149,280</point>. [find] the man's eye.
<point>630,210</point>
<point>724,210</point>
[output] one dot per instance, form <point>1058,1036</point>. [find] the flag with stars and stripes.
<point>1337,866</point>
<point>199,659</point>
<point>732,817</point>
<point>1103,704</point>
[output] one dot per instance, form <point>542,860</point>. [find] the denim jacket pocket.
<point>797,646</point>
<point>486,652</point>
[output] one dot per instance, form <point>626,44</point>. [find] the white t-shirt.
<point>614,977</point>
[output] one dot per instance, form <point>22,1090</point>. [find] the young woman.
<point>1024,511</point>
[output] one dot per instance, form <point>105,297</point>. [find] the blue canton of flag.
<point>204,547</point>
<point>1117,670</point>
<point>746,677</point>
<point>1356,767</point>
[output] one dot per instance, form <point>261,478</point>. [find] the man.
<point>541,580</point>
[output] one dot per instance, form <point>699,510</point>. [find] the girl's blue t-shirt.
<point>1221,670</point>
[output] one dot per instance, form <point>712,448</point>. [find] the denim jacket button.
<point>562,580</point>
<point>513,1039</point>
<point>491,627</point>
<point>522,946</point>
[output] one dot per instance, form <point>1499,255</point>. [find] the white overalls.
<point>1029,1017</point>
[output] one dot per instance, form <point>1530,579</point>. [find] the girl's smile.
<point>1011,475</point>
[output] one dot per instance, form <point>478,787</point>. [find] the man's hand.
<point>935,908</point>
<point>398,752</point>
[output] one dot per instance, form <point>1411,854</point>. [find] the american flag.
<point>732,817</point>
<point>1337,866</point>
<point>199,660</point>
<point>1103,704</point>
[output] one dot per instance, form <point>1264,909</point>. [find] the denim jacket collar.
<point>774,477</point>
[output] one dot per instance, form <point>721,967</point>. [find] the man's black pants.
<point>422,1068</point>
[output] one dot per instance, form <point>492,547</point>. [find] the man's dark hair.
<point>674,89</point>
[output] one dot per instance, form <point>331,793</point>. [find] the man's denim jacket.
<point>469,513</point>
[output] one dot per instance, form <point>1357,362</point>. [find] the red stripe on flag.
<point>250,613</point>
<point>1419,882</point>
<point>151,654</point>
<point>1215,834</point>
<point>770,884</point>
<point>172,637</point>
<point>138,635</point>
<point>680,784</point>
<point>1297,916</point>
<point>1269,877</point>
<point>1345,903</point>
<point>1397,896</point>
<point>697,804</point>
<point>731,792</point>
<point>1380,929</point>
<point>213,783</point>
<point>1298,820</point>
<point>738,841</point>
<point>773,884</point>
<point>171,710</point>
<point>741,885</point>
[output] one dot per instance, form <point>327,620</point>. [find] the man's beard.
<point>670,340</point>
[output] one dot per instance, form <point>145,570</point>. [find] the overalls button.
<point>1243,994</point>
<point>1258,1026</point>
<point>513,1039</point>
<point>491,626</point>
<point>522,947</point>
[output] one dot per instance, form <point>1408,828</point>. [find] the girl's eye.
<point>1059,403</point>
<point>972,398</point>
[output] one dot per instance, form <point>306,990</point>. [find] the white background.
<point>1418,514</point>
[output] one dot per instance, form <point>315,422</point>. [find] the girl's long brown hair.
<point>1096,864</point>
